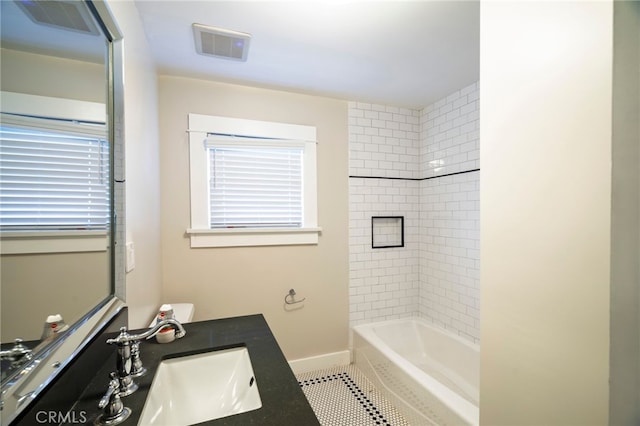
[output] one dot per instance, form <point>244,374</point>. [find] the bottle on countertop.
<point>165,312</point>
<point>167,334</point>
<point>53,325</point>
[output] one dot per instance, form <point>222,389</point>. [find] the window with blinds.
<point>255,186</point>
<point>252,183</point>
<point>53,179</point>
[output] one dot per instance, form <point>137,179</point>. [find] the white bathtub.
<point>428,373</point>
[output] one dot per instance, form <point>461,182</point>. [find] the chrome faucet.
<point>128,363</point>
<point>18,354</point>
<point>180,332</point>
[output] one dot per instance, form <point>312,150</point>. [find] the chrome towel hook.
<point>290,299</point>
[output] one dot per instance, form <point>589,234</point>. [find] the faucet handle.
<point>137,369</point>
<point>18,347</point>
<point>114,411</point>
<point>114,386</point>
<point>18,354</point>
<point>122,338</point>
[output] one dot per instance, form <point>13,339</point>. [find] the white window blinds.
<point>255,185</point>
<point>53,179</point>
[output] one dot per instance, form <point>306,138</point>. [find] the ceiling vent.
<point>221,43</point>
<point>69,15</point>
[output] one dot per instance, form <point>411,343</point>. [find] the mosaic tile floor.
<point>342,396</point>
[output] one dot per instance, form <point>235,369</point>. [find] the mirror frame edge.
<point>115,109</point>
<point>12,404</point>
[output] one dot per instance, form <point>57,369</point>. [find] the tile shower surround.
<point>423,165</point>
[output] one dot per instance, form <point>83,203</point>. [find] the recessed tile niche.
<point>387,231</point>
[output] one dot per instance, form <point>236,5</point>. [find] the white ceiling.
<point>18,32</point>
<point>404,53</point>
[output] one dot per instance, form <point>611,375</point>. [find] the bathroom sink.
<point>206,386</point>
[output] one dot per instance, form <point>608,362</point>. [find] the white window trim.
<point>53,241</point>
<point>44,106</point>
<point>200,126</point>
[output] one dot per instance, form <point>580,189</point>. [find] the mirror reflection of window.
<point>55,204</point>
<point>53,176</point>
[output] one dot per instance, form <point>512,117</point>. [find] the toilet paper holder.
<point>289,299</point>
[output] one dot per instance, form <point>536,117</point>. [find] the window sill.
<point>53,242</point>
<point>243,237</point>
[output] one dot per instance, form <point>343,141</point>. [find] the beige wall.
<point>224,282</point>
<point>545,123</point>
<point>50,76</point>
<point>144,283</point>
<point>37,285</point>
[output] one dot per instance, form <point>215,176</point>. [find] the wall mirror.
<point>60,168</point>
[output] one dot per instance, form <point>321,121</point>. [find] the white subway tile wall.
<point>450,213</point>
<point>383,283</point>
<point>436,274</point>
<point>450,134</point>
<point>383,142</point>
<point>119,211</point>
<point>450,253</point>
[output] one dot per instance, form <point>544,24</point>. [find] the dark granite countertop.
<point>283,402</point>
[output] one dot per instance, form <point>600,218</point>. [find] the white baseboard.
<point>319,362</point>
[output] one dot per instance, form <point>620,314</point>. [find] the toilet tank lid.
<point>183,311</point>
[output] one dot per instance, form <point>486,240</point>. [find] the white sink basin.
<point>197,388</point>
